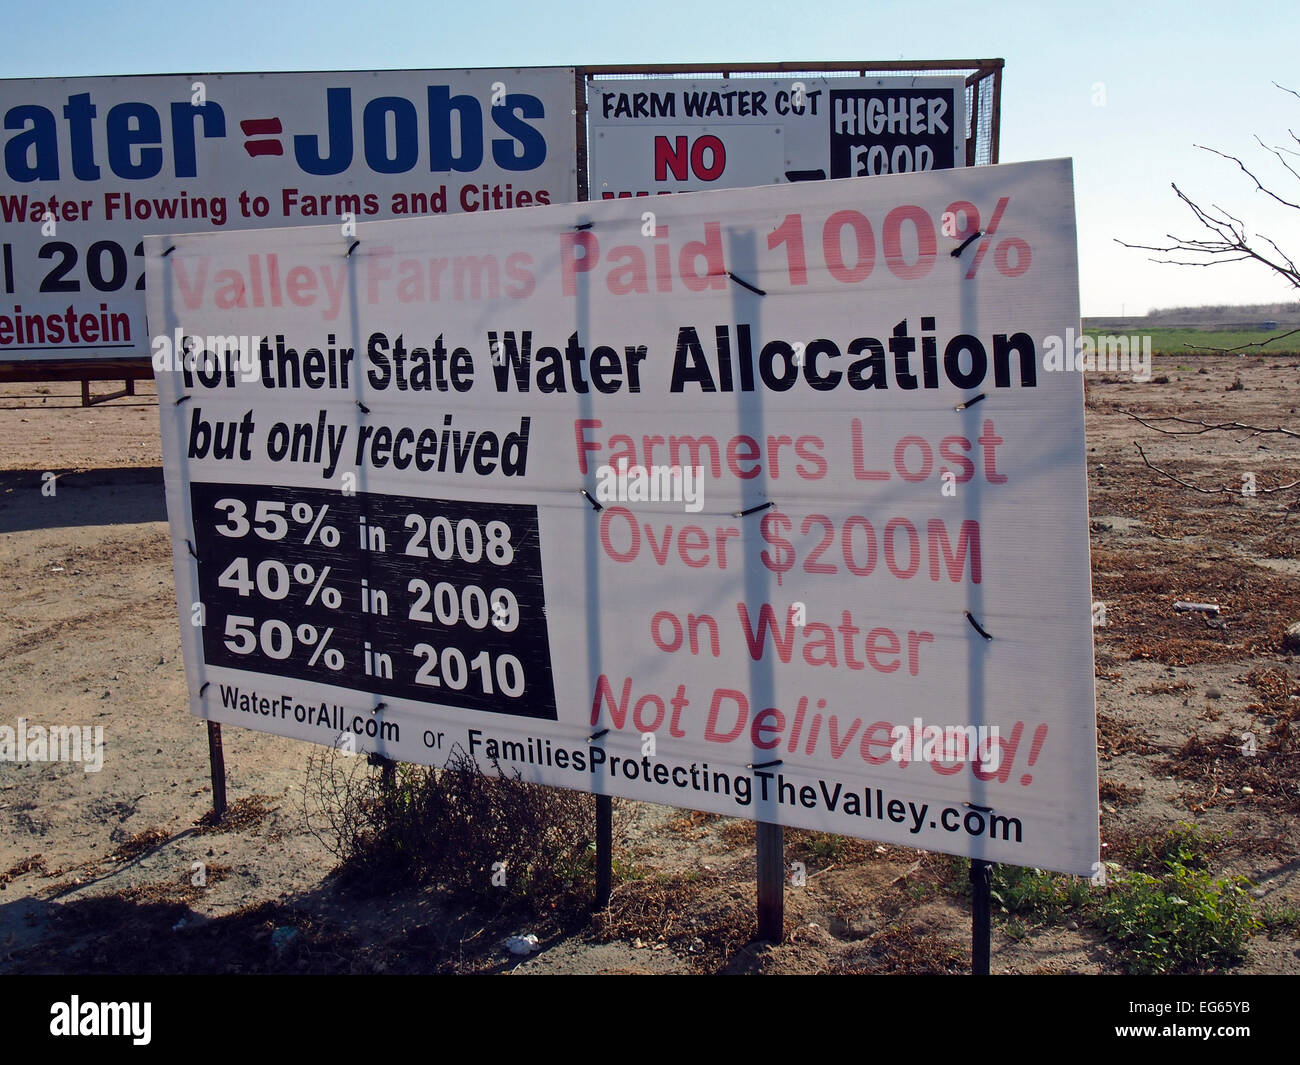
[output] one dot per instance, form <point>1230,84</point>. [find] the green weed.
<point>1281,919</point>
<point>1167,914</point>
<point>1183,920</point>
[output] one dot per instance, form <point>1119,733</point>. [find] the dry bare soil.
<point>115,872</point>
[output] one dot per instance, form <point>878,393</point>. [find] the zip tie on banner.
<point>364,408</point>
<point>190,547</point>
<point>965,244</point>
<point>977,626</point>
<point>597,735</point>
<point>745,284</point>
<point>169,251</point>
<point>584,225</point>
<point>970,402</point>
<point>377,707</point>
<point>976,806</point>
<point>594,504</point>
<point>765,765</point>
<point>206,685</point>
<point>355,245</point>
<point>181,400</point>
<point>753,510</point>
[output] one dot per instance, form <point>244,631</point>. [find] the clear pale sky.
<point>1174,75</point>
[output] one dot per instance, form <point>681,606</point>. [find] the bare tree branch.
<point>1206,427</point>
<point>1250,174</point>
<point>1211,491</point>
<point>1291,268</point>
<point>1278,153</point>
<point>1229,242</point>
<point>1242,347</point>
<point>1232,245</point>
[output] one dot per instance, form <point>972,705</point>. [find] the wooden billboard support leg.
<point>771,882</point>
<point>87,400</point>
<point>217,759</point>
<point>604,850</point>
<point>981,881</point>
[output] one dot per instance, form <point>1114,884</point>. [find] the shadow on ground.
<point>52,499</point>
<point>156,930</point>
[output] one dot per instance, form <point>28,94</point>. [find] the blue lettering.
<point>41,142</point>
<point>132,125</point>
<point>306,147</point>
<point>406,128</point>
<point>79,111</point>
<point>390,131</point>
<point>441,105</point>
<point>183,120</point>
<point>530,140</point>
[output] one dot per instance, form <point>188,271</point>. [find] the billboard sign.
<point>763,502</point>
<point>657,135</point>
<point>93,164</point>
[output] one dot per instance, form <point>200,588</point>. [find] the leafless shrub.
<point>481,833</point>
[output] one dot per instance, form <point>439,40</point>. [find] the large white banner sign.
<point>93,164</point>
<point>769,502</point>
<point>656,135</point>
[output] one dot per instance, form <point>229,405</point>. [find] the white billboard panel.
<point>729,504</point>
<point>657,135</point>
<point>93,164</point>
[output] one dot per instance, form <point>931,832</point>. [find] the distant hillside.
<point>1221,318</point>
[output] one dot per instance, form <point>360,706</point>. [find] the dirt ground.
<point>112,871</point>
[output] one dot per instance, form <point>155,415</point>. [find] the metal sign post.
<point>217,761</point>
<point>771,882</point>
<point>981,880</point>
<point>604,850</point>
